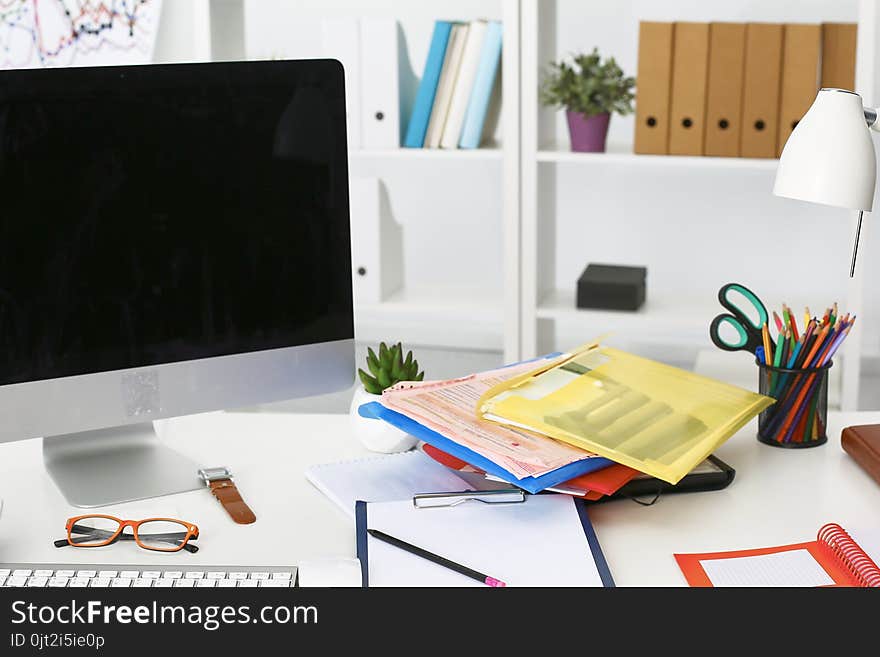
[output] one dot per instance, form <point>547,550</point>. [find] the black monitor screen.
<point>156,214</point>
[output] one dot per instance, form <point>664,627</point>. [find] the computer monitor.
<point>173,239</point>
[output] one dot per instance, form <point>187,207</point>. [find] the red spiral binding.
<point>849,555</point>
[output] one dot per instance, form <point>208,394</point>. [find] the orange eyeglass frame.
<point>192,532</point>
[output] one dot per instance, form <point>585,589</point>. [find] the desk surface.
<point>779,496</point>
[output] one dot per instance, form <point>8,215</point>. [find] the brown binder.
<point>761,78</point>
<point>800,76</point>
<point>690,62</point>
<point>839,55</point>
<point>652,94</point>
<point>727,47</point>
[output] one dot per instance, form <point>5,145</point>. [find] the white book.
<point>448,73</point>
<point>464,84</point>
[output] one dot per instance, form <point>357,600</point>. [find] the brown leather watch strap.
<point>227,494</point>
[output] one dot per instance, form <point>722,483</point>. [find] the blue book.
<point>475,115</point>
<point>421,113</point>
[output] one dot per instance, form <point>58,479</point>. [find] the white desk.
<point>779,496</point>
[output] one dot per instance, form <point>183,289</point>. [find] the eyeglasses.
<point>162,534</point>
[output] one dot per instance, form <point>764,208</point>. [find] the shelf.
<point>440,154</point>
<point>621,154</point>
<point>445,317</point>
<point>661,319</point>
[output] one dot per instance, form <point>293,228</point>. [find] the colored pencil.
<point>806,315</point>
<point>793,324</point>
<point>779,326</point>
<point>765,334</point>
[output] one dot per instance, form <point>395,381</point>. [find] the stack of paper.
<point>584,423</point>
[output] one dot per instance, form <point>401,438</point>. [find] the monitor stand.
<point>120,464</point>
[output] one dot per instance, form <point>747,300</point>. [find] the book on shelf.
<point>451,62</point>
<point>484,84</point>
<point>464,84</point>
<point>458,97</point>
<point>421,112</point>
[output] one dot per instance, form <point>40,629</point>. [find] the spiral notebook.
<point>837,557</point>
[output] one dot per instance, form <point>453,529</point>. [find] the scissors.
<point>749,335</point>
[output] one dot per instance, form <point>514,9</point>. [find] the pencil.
<point>765,334</point>
<point>806,315</point>
<point>435,558</point>
<point>779,326</point>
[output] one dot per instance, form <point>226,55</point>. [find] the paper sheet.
<point>540,542</point>
<point>789,568</point>
<point>383,478</point>
<point>447,407</point>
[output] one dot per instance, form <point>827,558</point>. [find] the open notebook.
<point>836,557</point>
<point>545,541</point>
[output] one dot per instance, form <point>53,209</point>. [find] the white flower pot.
<point>377,435</point>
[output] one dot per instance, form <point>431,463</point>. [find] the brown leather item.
<point>227,494</point>
<point>863,444</point>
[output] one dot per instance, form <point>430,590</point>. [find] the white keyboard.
<point>107,576</point>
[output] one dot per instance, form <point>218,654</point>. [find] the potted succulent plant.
<point>384,370</point>
<point>589,89</point>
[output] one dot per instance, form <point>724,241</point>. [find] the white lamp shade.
<point>829,158</point>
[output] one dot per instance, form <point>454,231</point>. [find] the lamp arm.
<point>872,117</point>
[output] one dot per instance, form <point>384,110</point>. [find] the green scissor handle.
<point>751,297</point>
<point>748,333</point>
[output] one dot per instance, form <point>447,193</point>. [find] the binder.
<point>727,50</point>
<point>376,243</point>
<point>800,76</point>
<point>484,83</point>
<point>839,55</point>
<point>761,81</point>
<point>380,86</point>
<point>548,540</point>
<point>654,85</point>
<point>421,113</point>
<point>690,63</point>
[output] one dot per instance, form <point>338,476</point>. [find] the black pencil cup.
<point>800,415</point>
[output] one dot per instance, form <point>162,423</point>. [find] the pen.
<point>430,556</point>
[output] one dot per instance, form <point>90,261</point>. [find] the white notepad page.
<point>540,542</point>
<point>383,478</point>
<point>789,568</point>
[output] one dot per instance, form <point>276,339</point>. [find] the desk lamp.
<point>829,157</point>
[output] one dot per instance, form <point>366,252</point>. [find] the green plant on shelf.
<point>588,85</point>
<point>388,368</point>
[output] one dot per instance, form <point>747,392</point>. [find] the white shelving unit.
<point>494,239</point>
<point>670,213</point>
<point>460,232</point>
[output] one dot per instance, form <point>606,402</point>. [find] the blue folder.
<point>475,115</point>
<point>360,514</point>
<point>421,113</point>
<point>529,484</point>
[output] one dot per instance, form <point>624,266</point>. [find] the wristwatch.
<point>222,486</point>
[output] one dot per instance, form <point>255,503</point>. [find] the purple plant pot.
<point>587,133</point>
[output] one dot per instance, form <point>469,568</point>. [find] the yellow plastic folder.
<point>658,419</point>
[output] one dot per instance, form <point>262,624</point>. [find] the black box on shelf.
<point>611,287</point>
